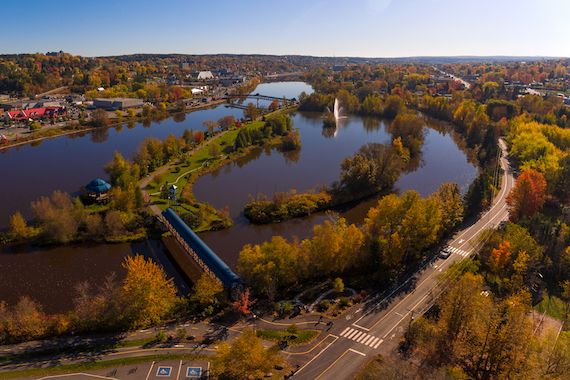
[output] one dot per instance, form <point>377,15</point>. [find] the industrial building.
<point>112,104</point>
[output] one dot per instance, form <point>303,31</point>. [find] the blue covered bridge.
<point>200,252</point>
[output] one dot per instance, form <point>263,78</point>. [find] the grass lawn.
<point>553,306</point>
<point>300,337</point>
<point>188,169</point>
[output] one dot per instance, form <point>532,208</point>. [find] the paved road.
<point>377,327</point>
<point>461,80</point>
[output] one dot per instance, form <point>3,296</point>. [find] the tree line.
<point>396,234</point>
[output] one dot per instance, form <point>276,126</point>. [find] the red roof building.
<point>35,113</point>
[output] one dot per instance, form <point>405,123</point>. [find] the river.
<point>49,275</point>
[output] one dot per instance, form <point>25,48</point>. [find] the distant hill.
<point>313,59</point>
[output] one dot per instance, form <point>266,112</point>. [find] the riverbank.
<point>54,132</point>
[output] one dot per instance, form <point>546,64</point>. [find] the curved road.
<point>377,327</point>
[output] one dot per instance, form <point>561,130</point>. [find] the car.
<point>445,253</point>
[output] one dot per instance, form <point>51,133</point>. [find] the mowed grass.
<point>553,306</point>
<point>299,337</point>
<point>179,173</point>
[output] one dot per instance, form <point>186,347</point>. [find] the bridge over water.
<point>202,255</point>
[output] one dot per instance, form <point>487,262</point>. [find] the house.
<point>35,113</point>
<point>203,75</point>
<point>112,104</point>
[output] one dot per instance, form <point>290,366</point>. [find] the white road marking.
<point>373,342</point>
<point>361,339</point>
<point>344,331</point>
<point>370,339</point>
<point>314,357</point>
<point>149,370</point>
<point>357,352</point>
<point>352,333</point>
<point>357,335</point>
<point>379,343</point>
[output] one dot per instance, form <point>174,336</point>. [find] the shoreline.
<point>17,143</point>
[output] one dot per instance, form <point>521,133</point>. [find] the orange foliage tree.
<point>528,195</point>
<point>500,256</point>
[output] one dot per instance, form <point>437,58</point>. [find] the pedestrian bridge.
<point>203,255</point>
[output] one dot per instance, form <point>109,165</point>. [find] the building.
<point>112,104</point>
<point>203,75</point>
<point>35,113</point>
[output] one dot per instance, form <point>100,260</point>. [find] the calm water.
<point>317,164</point>
<point>66,163</point>
<point>50,275</point>
<point>69,162</point>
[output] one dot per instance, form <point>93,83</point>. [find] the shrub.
<point>293,329</point>
<point>323,306</point>
<point>344,302</point>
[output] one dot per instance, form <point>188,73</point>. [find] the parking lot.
<point>156,370</point>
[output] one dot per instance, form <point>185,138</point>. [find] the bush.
<point>344,302</point>
<point>160,337</point>
<point>293,329</point>
<point>323,306</point>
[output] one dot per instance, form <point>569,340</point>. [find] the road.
<point>462,81</point>
<point>377,327</point>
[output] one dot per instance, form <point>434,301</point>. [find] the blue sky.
<point>368,28</point>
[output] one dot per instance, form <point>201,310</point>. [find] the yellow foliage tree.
<point>147,293</point>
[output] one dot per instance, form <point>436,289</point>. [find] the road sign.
<point>163,371</point>
<point>194,372</point>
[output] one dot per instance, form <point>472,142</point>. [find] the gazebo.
<point>98,190</point>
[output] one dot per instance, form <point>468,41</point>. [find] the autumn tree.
<point>500,257</point>
<point>399,228</point>
<point>528,195</point>
<point>99,118</point>
<point>244,358</point>
<point>198,137</point>
<point>450,205</point>
<point>243,302</point>
<point>59,216</point>
<point>24,321</point>
<point>207,290</point>
<point>210,125</point>
<point>334,248</point>
<point>227,122</point>
<point>274,105</point>
<point>269,266</point>
<point>19,228</point>
<point>147,293</point>
<point>251,112</point>
<point>409,128</point>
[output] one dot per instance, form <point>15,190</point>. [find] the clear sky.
<point>367,28</point>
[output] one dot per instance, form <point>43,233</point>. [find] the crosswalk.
<point>361,337</point>
<point>458,251</point>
